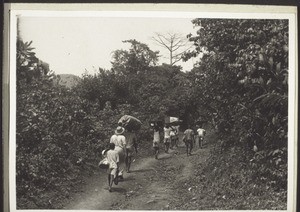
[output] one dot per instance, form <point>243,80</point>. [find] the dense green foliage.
<point>245,72</point>
<point>239,85</point>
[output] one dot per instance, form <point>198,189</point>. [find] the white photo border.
<point>57,10</point>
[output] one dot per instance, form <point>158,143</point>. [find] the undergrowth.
<point>225,181</point>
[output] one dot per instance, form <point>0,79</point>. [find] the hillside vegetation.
<point>240,86</point>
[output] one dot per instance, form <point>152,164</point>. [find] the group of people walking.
<point>123,146</point>
<point>171,138</point>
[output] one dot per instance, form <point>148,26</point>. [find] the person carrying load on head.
<point>131,125</point>
<point>131,147</point>
<point>120,146</point>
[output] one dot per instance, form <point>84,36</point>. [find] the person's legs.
<point>191,146</point>
<point>129,159</point>
<point>187,147</point>
<point>126,162</point>
<point>108,177</point>
<point>167,146</point>
<point>201,142</point>
<point>122,163</point>
<point>172,143</point>
<point>110,182</point>
<point>156,152</point>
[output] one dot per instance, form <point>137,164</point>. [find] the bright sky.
<point>72,44</point>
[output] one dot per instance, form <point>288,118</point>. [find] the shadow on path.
<point>119,190</point>
<point>141,170</point>
<point>128,179</point>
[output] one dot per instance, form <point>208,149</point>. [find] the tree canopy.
<point>138,58</point>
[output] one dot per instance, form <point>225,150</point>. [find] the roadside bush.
<point>244,76</point>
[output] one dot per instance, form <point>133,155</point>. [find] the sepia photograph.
<point>154,107</point>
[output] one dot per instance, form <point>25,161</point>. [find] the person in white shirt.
<point>156,141</point>
<point>120,144</point>
<point>201,133</point>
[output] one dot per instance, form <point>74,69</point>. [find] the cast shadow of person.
<point>119,190</point>
<point>141,170</point>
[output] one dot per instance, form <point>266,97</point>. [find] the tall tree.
<point>175,44</point>
<point>132,64</point>
<point>138,58</point>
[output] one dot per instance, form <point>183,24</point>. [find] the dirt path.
<point>152,184</point>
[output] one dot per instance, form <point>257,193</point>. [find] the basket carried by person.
<point>104,164</point>
<point>130,123</point>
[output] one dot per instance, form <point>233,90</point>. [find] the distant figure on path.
<point>173,137</point>
<point>167,137</point>
<point>112,171</point>
<point>188,139</point>
<point>200,134</point>
<point>131,146</point>
<point>120,144</point>
<point>156,141</point>
<point>176,135</point>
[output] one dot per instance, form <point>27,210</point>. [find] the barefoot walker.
<point>131,147</point>
<point>188,139</point>
<point>113,161</point>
